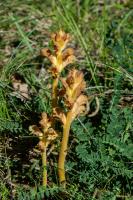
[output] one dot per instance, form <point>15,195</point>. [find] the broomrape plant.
<point>75,102</point>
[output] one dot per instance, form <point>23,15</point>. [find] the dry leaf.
<point>21,89</point>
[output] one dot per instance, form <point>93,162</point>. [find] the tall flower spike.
<point>60,58</point>
<point>76,102</point>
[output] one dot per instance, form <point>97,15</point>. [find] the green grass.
<point>99,162</point>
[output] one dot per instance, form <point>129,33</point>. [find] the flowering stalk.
<point>60,59</point>
<point>75,102</point>
<point>46,135</point>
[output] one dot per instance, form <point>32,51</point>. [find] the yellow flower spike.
<point>46,135</point>
<point>74,85</point>
<point>59,59</point>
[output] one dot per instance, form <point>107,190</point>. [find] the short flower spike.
<point>46,135</point>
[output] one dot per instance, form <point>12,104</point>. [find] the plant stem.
<point>63,150</point>
<point>54,92</point>
<point>44,166</point>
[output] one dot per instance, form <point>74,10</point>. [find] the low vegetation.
<point>66,100</point>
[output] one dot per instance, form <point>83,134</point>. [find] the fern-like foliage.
<point>105,153</point>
